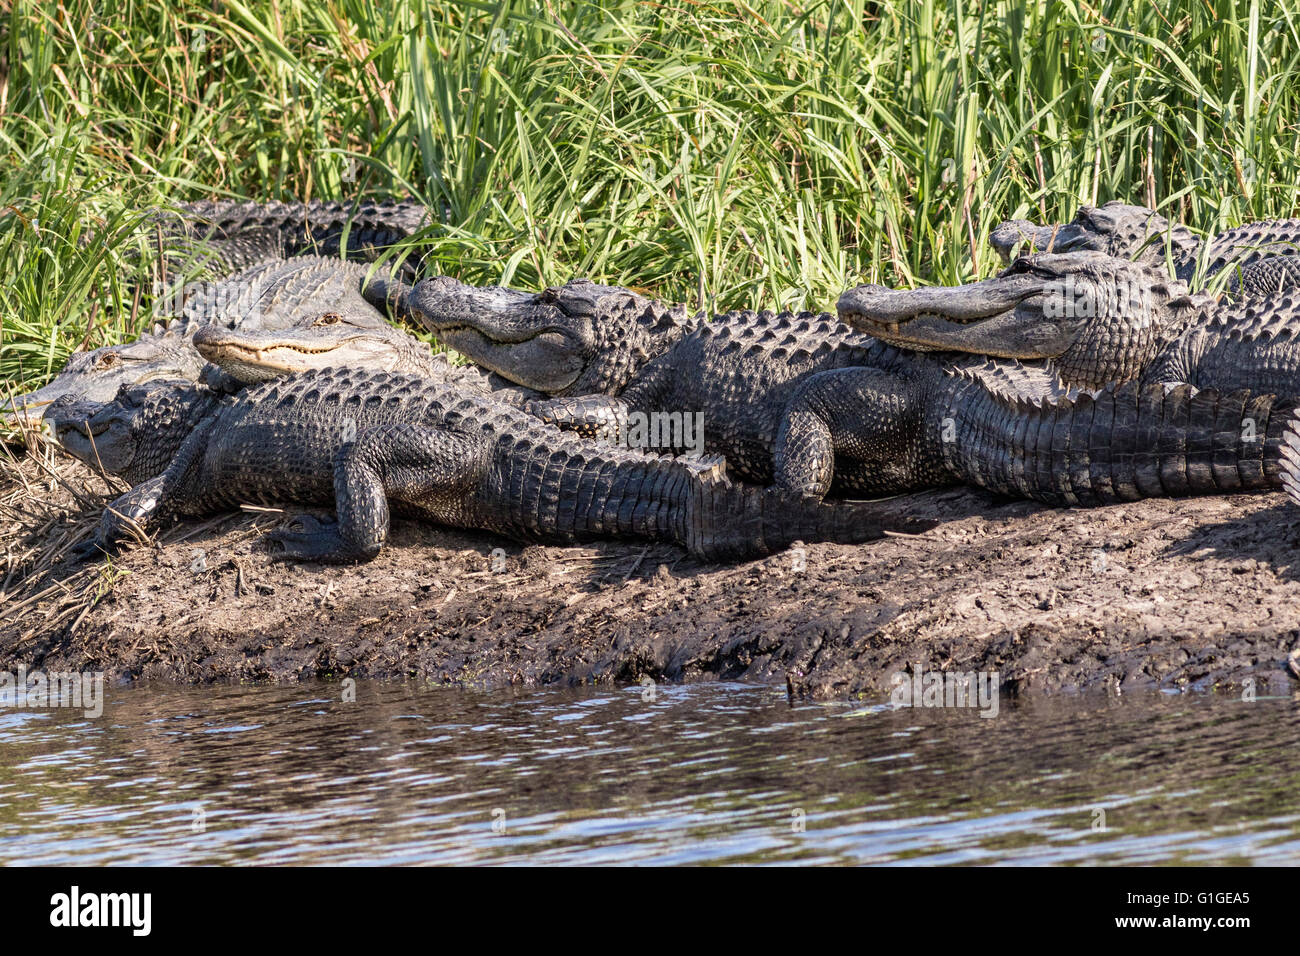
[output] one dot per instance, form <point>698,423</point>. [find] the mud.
<point>1170,594</point>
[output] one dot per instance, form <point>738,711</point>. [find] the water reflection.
<point>705,773</point>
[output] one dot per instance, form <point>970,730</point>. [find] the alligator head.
<point>1117,229</point>
<point>134,434</point>
<point>579,338</point>
<point>354,339</point>
<point>97,375</point>
<point>1097,317</point>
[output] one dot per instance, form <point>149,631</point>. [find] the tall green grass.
<point>727,154</point>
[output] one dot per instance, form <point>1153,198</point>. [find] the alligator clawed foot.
<point>89,550</point>
<point>307,538</point>
<point>307,525</point>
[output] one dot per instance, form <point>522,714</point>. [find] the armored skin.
<point>1097,319</point>
<point>1135,232</point>
<point>228,235</point>
<point>808,405</point>
<point>607,352</point>
<point>370,441</point>
<point>277,294</point>
<point>247,244</point>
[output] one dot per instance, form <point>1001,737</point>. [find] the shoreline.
<point>1172,594</point>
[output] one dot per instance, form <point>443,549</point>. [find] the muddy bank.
<point>1172,594</point>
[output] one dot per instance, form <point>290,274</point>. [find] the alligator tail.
<point>1122,443</point>
<point>570,493</point>
<point>725,521</point>
<point>1290,463</point>
<point>389,294</point>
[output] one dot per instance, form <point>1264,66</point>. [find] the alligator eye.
<point>329,318</point>
<point>108,359</point>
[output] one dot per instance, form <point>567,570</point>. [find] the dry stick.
<point>970,224</point>
<point>81,498</point>
<point>50,589</point>
<point>18,471</point>
<point>135,305</point>
<point>99,465</point>
<point>90,322</point>
<point>1042,180</point>
<point>1151,167</point>
<point>636,564</point>
<point>1096,174</point>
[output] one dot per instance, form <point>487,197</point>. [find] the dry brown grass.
<point>49,505</point>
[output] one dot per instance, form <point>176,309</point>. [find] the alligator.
<point>367,442</point>
<point>1135,232</point>
<point>605,352</point>
<point>811,407</point>
<point>228,235</point>
<point>1097,319</point>
<point>248,243</point>
<point>357,339</point>
<point>1253,343</point>
<point>277,294</point>
<point>251,356</point>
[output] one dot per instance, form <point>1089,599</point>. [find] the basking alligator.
<point>230,235</point>
<point>370,441</point>
<point>607,352</point>
<point>251,240</point>
<point>251,356</point>
<point>805,403</point>
<point>1135,232</point>
<point>1099,320</point>
<point>355,340</point>
<point>277,294</point>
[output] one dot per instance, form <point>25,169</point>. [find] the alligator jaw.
<point>94,432</point>
<point>280,356</point>
<point>999,317</point>
<point>78,438</point>
<point>24,412</point>
<point>523,337</point>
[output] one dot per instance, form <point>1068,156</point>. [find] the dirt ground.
<point>1171,594</point>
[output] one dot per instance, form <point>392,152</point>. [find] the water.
<point>718,773</point>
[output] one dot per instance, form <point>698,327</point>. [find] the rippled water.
<point>706,773</point>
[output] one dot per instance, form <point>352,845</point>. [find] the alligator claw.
<point>89,550</point>
<point>306,525</point>
<point>307,538</point>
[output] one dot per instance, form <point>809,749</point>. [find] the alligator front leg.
<point>132,514</point>
<point>862,414</point>
<point>595,417</point>
<point>127,516</point>
<point>429,468</point>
